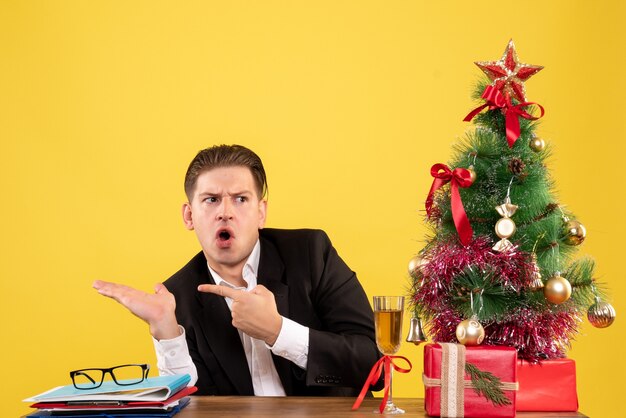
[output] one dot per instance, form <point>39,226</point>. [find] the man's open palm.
<point>157,309</point>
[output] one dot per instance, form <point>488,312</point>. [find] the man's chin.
<point>225,257</point>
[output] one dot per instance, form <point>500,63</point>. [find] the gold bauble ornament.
<point>472,173</point>
<point>416,263</point>
<point>470,332</point>
<point>557,289</point>
<point>601,314</point>
<point>574,232</point>
<point>537,144</point>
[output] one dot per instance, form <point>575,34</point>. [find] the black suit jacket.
<point>313,287</point>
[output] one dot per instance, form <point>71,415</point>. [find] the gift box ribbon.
<point>467,384</point>
<point>385,363</point>
<point>452,381</point>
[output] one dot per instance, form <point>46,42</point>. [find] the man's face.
<point>226,214</point>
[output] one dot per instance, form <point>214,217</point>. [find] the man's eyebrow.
<point>217,194</point>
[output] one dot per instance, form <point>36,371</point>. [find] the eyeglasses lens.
<point>87,379</point>
<point>128,375</point>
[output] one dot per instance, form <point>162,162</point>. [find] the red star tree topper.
<point>508,74</point>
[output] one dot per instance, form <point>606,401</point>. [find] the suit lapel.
<point>270,275</point>
<point>224,340</point>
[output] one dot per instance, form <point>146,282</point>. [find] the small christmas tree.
<point>499,267</point>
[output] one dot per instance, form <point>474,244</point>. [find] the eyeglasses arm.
<point>83,374</point>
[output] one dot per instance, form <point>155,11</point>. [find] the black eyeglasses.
<point>124,375</point>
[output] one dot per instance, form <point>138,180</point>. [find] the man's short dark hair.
<point>225,156</point>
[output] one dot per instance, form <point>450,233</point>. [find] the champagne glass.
<point>388,312</point>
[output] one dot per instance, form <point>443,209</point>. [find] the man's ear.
<point>262,213</point>
<point>187,218</point>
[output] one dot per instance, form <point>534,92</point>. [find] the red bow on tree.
<point>495,100</point>
<point>459,177</point>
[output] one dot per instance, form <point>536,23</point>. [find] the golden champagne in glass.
<point>388,330</point>
<point>388,312</point>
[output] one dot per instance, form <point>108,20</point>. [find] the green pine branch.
<point>580,275</point>
<point>487,384</point>
<point>491,300</point>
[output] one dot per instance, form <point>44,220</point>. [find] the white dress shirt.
<point>292,343</point>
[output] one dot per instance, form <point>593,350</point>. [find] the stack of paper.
<point>162,396</point>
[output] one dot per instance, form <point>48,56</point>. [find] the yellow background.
<point>349,103</point>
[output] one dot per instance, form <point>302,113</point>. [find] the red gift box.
<point>547,386</point>
<point>500,361</point>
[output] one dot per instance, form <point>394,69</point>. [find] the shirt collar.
<point>250,269</point>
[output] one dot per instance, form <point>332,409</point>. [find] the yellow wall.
<point>349,103</point>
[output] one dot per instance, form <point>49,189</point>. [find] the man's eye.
<point>211,199</point>
<point>241,199</point>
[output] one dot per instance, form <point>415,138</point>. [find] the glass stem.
<point>390,398</point>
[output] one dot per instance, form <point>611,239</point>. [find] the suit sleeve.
<point>343,349</point>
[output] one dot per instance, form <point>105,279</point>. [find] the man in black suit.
<point>258,311</point>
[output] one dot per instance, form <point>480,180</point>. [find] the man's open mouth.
<point>224,238</point>
<point>224,235</point>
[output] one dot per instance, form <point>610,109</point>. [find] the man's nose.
<point>225,211</point>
